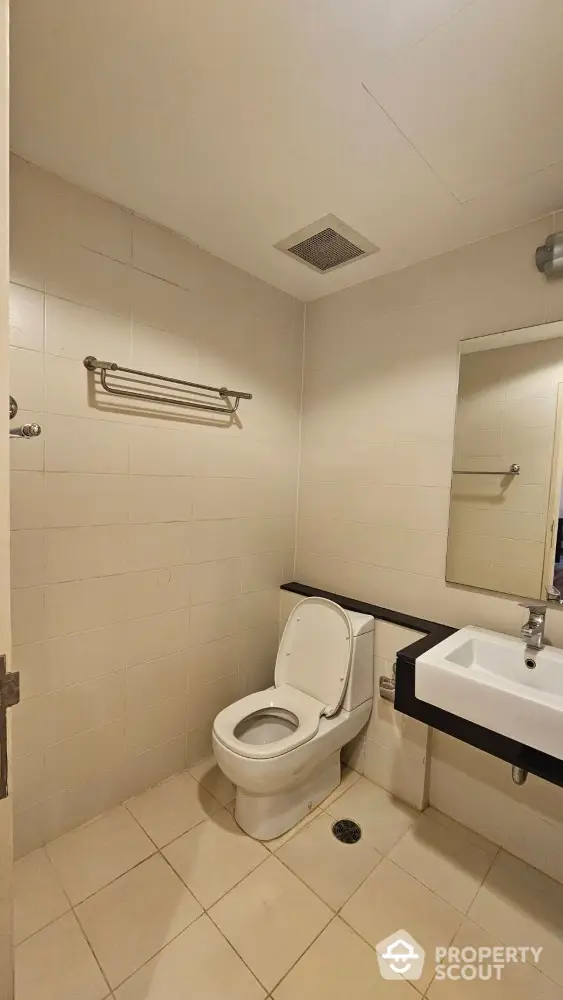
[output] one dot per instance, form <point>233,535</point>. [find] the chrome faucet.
<point>532,632</point>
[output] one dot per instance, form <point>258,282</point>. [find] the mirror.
<point>506,503</point>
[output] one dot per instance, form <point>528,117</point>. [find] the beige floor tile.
<point>213,780</point>
<point>339,964</point>
<point>130,920</point>
<point>444,859</point>
<point>519,981</point>
<point>383,819</point>
<point>519,905</point>
<point>198,964</point>
<point>391,900</point>
<point>451,824</point>
<point>93,855</point>
<point>348,778</point>
<point>38,896</point>
<point>332,869</point>
<point>173,807</point>
<point>270,918</point>
<point>214,856</point>
<point>277,842</point>
<point>57,964</point>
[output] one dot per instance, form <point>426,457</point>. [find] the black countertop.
<point>517,754</point>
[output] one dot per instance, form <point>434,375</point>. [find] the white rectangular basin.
<point>482,676</point>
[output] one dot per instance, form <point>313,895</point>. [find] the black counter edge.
<point>434,632</point>
<point>518,754</point>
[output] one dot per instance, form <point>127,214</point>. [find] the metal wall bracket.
<point>27,430</point>
<point>9,696</point>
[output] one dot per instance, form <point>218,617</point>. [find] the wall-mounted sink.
<point>482,676</point>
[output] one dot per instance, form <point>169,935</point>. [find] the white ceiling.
<point>424,124</point>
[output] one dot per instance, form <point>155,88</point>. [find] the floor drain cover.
<point>347,831</point>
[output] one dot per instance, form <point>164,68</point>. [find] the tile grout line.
<point>232,947</point>
<point>272,853</point>
<point>309,946</point>
<point>88,942</point>
<point>155,853</point>
<point>207,909</point>
<point>159,852</point>
<point>463,913</point>
<point>227,891</point>
<point>56,876</point>
<point>134,818</point>
<point>335,916</point>
<point>151,957</point>
<point>70,912</point>
<point>334,912</point>
<point>44,927</point>
<point>475,921</point>
<point>116,879</point>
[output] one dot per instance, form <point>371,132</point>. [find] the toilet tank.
<point>360,680</point>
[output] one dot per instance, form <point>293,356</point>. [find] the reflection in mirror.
<point>506,505</point>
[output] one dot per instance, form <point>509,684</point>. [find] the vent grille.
<point>326,249</point>
<point>326,244</point>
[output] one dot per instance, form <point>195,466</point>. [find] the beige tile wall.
<point>148,543</point>
<point>527,821</point>
<point>381,367</point>
<point>395,748</point>
<point>506,413</point>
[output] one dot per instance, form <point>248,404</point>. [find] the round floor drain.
<point>347,831</point>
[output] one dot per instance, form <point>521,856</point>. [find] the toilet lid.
<point>315,652</point>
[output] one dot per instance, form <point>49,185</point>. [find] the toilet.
<point>281,747</point>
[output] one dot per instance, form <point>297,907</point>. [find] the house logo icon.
<point>400,956</point>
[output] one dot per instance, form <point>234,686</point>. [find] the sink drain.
<point>347,831</point>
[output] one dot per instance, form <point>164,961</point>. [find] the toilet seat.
<point>307,711</point>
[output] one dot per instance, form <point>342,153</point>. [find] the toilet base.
<point>265,817</point>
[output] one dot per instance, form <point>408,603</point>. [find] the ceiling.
<point>423,124</point>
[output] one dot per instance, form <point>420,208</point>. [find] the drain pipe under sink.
<point>519,775</point>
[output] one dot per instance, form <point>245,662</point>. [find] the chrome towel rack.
<point>514,470</point>
<point>230,397</point>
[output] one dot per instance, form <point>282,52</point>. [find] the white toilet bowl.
<point>281,747</point>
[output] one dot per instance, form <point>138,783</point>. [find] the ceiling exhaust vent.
<point>327,244</point>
